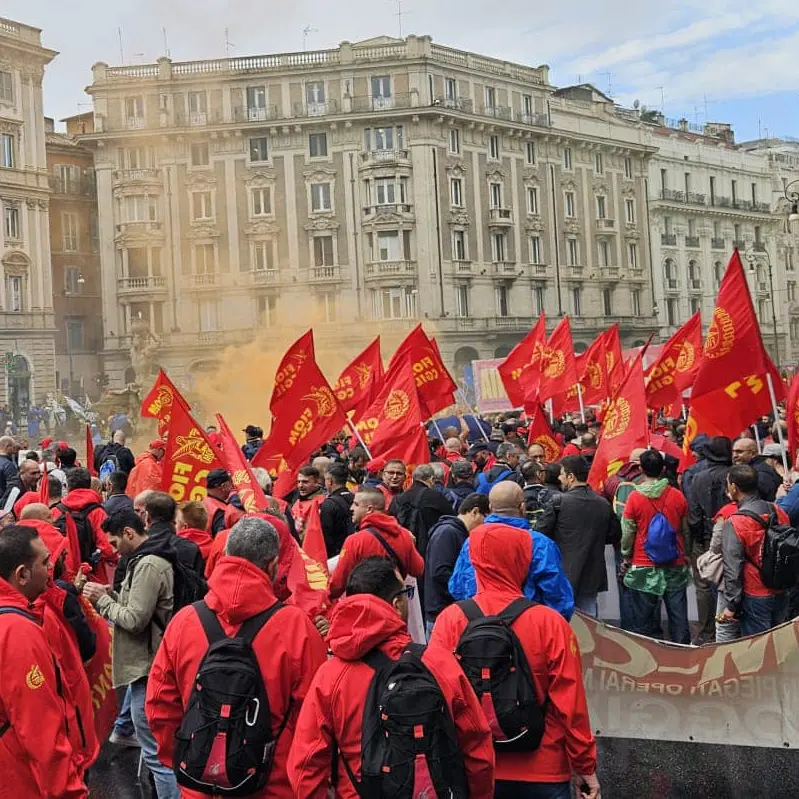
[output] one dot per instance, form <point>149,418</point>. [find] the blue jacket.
<point>546,581</point>
<point>790,504</point>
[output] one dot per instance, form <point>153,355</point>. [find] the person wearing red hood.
<point>191,522</point>
<point>36,757</point>
<point>374,617</point>
<point>71,640</point>
<point>146,474</point>
<point>501,556</point>
<point>378,534</point>
<point>288,648</point>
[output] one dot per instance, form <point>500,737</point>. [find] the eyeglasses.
<point>409,591</point>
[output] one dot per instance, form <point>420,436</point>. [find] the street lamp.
<point>753,256</point>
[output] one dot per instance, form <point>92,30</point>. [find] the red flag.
<point>313,541</point>
<point>592,372</point>
<point>541,433</point>
<point>90,452</point>
<point>158,403</point>
<point>44,486</point>
<point>519,372</point>
<point>98,673</point>
<point>676,368</point>
<point>624,427</point>
<point>357,386</point>
<point>613,359</point>
<point>433,382</point>
<point>792,416</point>
<point>189,457</point>
<point>558,371</point>
<point>297,355</point>
<point>250,492</point>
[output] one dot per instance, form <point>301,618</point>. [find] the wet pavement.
<point>114,775</point>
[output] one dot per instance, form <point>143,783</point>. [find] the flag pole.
<point>580,399</point>
<point>778,425</point>
<point>473,414</point>
<point>358,436</point>
<point>757,439</point>
<point>438,429</point>
<point>551,411</point>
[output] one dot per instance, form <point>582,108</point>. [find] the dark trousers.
<point>760,613</point>
<point>505,789</point>
<point>705,597</point>
<point>645,611</point>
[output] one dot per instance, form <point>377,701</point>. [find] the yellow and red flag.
<point>540,432</point>
<point>250,492</point>
<point>159,402</point>
<point>300,353</point>
<point>613,359</point>
<point>520,371</point>
<point>792,416</point>
<point>357,386</point>
<point>558,370</point>
<point>677,366</point>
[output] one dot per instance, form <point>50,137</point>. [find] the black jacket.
<point>117,502</point>
<point>336,520</point>
<point>9,474</point>
<point>124,457</point>
<point>73,613</point>
<point>418,509</point>
<point>581,523</point>
<point>445,541</point>
<point>768,481</point>
<point>460,491</point>
<point>708,495</point>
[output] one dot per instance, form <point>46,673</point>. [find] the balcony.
<point>670,195</point>
<point>668,239</point>
<point>502,217</point>
<point>538,120</point>
<point>539,270</point>
<point>324,274</point>
<point>694,284</point>
<point>136,123</point>
<point>496,112</point>
<point>575,271</point>
<point>137,175</point>
<point>694,198</point>
<point>263,114</point>
<point>375,158</point>
<point>463,104</point>
<point>671,284</point>
<point>717,244</point>
<point>462,268</point>
<point>145,228</point>
<point>82,187</point>
<point>739,244</point>
<point>604,225</point>
<point>265,277</point>
<point>692,241</point>
<point>509,323</point>
<point>611,273</point>
<point>317,109</point>
<point>506,269</point>
<point>390,269</point>
<point>140,285</point>
<point>204,281</point>
<point>393,209</point>
<point>362,105</point>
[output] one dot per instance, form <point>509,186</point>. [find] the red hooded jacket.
<point>363,544</point>
<point>36,757</point>
<point>288,648</point>
<point>332,713</point>
<point>201,538</point>
<point>145,475</point>
<point>76,501</point>
<point>501,557</point>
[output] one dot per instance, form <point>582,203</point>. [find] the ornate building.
<point>27,328</point>
<point>361,189</point>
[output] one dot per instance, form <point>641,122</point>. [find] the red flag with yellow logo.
<point>159,402</point>
<point>592,372</point>
<point>189,457</point>
<point>357,386</point>
<point>792,416</point>
<point>540,432</point>
<point>250,493</point>
<point>520,371</point>
<point>677,367</point>
<point>558,370</point>
<point>288,372</point>
<point>613,359</point>
<point>624,428</point>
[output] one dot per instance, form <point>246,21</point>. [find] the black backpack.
<point>494,662</point>
<point>86,539</point>
<point>408,742</point>
<point>225,745</point>
<point>779,568</point>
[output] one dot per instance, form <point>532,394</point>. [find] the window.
<point>199,154</point>
<point>202,205</point>
<point>69,231</point>
<point>381,87</point>
<point>14,293</point>
<point>450,89</point>
<point>570,204</point>
<point>607,302</point>
<point>320,197</point>
<point>628,168</point>
<point>493,147</point>
<point>632,255</point>
<point>204,259</point>
<point>495,195</point>
<point>687,183</point>
<point>712,190</point>
<point>256,102</point>
<point>599,164</point>
<point>527,107</point>
<point>456,192</point>
<point>794,329</point>
<point>604,253</point>
<point>498,247</point>
<point>532,200</point>
<point>135,157</point>
<point>572,252</point>
<point>262,201</point>
<point>462,300</point>
<point>671,273</point>
<point>734,189</point>
<point>789,260</point>
<point>323,251</point>
<point>267,310</point>
<point>140,208</point>
<point>7,151</point>
<point>691,228</point>
<point>388,246</point>
<point>459,245</point>
<point>74,327</point>
<point>378,139</point>
<point>208,314</point>
<point>314,93</point>
<point>635,302</point>
<point>198,102</point>
<point>73,282</point>
<point>601,207</point>
<point>317,145</point>
<point>535,249</point>
<point>758,240</point>
<point>737,234</point>
<point>577,301</point>
<point>754,194</point>
<point>94,232</point>
<point>394,303</point>
<point>539,299</point>
<point>490,98</point>
<point>664,180</point>
<point>326,307</point>
<point>11,225</point>
<point>671,312</point>
<point>389,191</point>
<point>454,140</point>
<point>501,296</point>
<point>134,110</point>
<point>529,153</point>
<point>629,207</point>
<point>567,158</point>
<point>6,88</point>
<point>791,291</point>
<point>263,256</point>
<point>259,149</point>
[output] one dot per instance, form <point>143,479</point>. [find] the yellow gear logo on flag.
<point>617,419</point>
<point>324,399</point>
<point>686,358</point>
<point>364,372</point>
<point>550,446</point>
<point>194,446</point>
<point>610,361</point>
<point>163,399</point>
<point>397,404</point>
<point>594,375</point>
<point>720,335</point>
<point>555,363</point>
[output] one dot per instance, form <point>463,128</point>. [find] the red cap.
<point>376,465</point>
<point>62,445</point>
<point>157,444</point>
<point>45,443</point>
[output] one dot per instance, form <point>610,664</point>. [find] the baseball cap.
<point>772,451</point>
<point>157,444</point>
<point>216,478</point>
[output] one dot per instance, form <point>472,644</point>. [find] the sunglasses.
<point>409,591</point>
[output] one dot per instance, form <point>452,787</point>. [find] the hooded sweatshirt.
<point>288,648</point>
<point>76,501</point>
<point>145,476</point>
<point>363,544</point>
<point>501,557</point>
<point>332,713</point>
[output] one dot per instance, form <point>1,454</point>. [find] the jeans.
<point>505,789</point>
<point>760,613</point>
<point>705,596</point>
<point>625,614</point>
<point>645,610</point>
<point>166,785</point>
<point>428,628</point>
<point>729,631</point>
<point>588,604</point>
<point>124,724</point>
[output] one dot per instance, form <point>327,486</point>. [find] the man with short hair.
<point>140,613</point>
<point>307,497</point>
<point>221,514</point>
<point>329,730</point>
<point>161,513</point>
<point>746,597</point>
<point>24,490</point>
<point>461,475</point>
<point>192,519</point>
<point>287,647</point>
<point>536,495</point>
<point>537,453</point>
<point>505,468</point>
<point>116,497</point>
<point>581,523</point>
<point>255,438</point>
<point>744,451</point>
<point>378,534</point>
<point>9,470</point>
<point>335,511</point>
<point>36,757</point>
<point>147,474</point>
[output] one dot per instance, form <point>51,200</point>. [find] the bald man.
<point>37,511</point>
<point>744,452</point>
<point>546,581</point>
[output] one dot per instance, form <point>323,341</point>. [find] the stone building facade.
<point>27,329</point>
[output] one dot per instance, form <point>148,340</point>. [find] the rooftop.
<point>23,37</point>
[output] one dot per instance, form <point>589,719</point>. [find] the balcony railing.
<point>384,210</point>
<point>758,246</point>
<point>739,244</point>
<point>463,104</point>
<point>149,226</point>
<point>150,283</point>
<point>496,112</point>
<point>606,224</point>
<point>717,244</point>
<point>672,283</point>
<point>324,274</point>
<point>462,267</point>
<point>391,269</point>
<point>504,268</point>
<point>539,120</point>
<point>384,157</point>
<point>509,322</point>
<point>692,241</point>
<point>500,216</point>
<point>82,187</point>
<point>539,270</point>
<point>672,195</point>
<point>137,174</point>
<point>265,276</point>
<point>243,113</point>
<point>695,284</point>
<point>204,280</point>
<point>317,109</point>
<point>668,239</point>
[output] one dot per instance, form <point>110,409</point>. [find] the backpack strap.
<point>213,629</point>
<point>515,609</point>
<point>19,612</point>
<point>750,514</point>
<point>253,625</point>
<point>211,626</point>
<point>377,660</point>
<point>390,550</point>
<point>471,610</point>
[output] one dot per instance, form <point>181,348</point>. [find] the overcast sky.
<point>731,60</point>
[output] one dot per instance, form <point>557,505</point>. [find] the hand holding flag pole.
<point>460,393</point>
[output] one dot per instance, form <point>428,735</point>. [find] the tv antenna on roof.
<point>400,15</point>
<point>306,31</point>
<point>228,44</point>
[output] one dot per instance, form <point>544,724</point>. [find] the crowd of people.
<point>228,687</point>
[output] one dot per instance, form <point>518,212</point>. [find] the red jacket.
<point>640,509</point>
<point>213,506</point>
<point>363,544</point>
<point>288,648</point>
<point>332,713</point>
<point>76,501</point>
<point>36,757</point>
<point>501,557</point>
<point>145,475</point>
<point>201,538</point>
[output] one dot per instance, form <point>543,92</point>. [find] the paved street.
<point>114,775</point>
